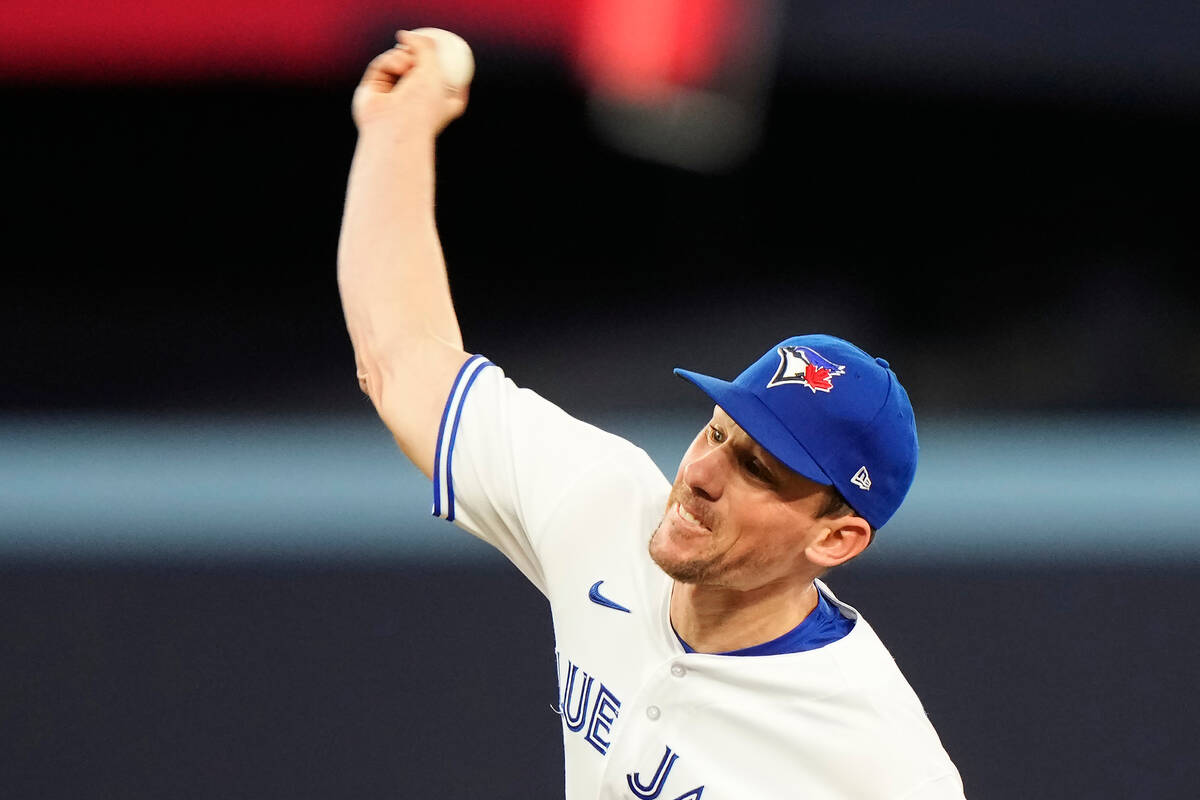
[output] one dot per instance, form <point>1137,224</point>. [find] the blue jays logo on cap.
<point>807,367</point>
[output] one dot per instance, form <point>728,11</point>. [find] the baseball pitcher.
<point>699,654</point>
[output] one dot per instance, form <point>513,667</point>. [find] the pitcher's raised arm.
<point>391,273</point>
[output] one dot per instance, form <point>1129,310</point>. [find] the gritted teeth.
<point>683,512</point>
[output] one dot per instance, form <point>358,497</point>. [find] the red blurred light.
<point>639,49</point>
<point>153,40</point>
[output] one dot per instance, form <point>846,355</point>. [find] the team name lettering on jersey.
<point>590,708</point>
<point>586,705</point>
<point>650,788</point>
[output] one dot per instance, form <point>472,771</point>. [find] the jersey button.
<point>678,670</point>
<point>653,712</point>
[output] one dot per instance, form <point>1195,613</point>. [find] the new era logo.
<point>862,479</point>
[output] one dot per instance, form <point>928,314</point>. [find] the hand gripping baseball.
<point>405,89</point>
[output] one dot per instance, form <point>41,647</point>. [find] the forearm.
<point>391,271</point>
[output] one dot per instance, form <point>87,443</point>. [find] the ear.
<point>843,538</point>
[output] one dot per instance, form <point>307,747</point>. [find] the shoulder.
<point>523,445</point>
<point>486,399</point>
<point>862,660</point>
<point>887,712</point>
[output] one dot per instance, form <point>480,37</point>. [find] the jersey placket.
<point>645,761</point>
<point>654,717</point>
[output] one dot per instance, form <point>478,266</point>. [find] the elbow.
<point>367,371</point>
<point>382,371</point>
<point>370,381</point>
<point>370,358</point>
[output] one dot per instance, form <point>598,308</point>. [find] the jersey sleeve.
<point>507,460</point>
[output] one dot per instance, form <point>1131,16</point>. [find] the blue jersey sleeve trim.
<point>453,399</point>
<point>454,436</point>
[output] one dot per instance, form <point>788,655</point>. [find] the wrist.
<point>385,133</point>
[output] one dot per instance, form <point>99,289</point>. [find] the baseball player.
<point>698,653</point>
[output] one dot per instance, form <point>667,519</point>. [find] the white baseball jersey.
<point>573,508</point>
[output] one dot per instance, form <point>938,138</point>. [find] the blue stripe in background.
<point>1057,490</point>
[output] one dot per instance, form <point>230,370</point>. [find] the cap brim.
<point>760,423</point>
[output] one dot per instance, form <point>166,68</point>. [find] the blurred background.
<point>218,577</point>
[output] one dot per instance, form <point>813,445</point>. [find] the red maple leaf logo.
<point>817,378</point>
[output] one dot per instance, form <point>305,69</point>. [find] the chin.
<point>682,566</point>
<point>685,571</point>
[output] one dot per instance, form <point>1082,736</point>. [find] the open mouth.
<point>688,517</point>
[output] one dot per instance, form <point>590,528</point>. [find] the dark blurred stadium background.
<point>216,575</point>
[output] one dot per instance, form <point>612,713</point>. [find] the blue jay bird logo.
<point>807,367</point>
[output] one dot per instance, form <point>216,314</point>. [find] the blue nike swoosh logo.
<point>600,600</point>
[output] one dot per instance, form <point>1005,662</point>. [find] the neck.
<point>717,619</point>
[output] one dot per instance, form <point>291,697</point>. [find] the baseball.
<point>454,56</point>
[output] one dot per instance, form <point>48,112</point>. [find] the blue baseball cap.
<point>830,412</point>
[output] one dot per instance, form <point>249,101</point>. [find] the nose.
<point>705,473</point>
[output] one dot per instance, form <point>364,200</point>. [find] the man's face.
<point>736,517</point>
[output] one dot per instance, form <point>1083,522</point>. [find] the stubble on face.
<point>704,560</point>
<point>711,559</point>
<point>741,546</point>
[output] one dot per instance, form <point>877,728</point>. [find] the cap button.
<point>883,363</point>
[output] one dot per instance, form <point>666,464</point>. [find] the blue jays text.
<point>589,708</point>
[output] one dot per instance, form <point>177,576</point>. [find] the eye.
<point>757,469</point>
<point>716,434</point>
